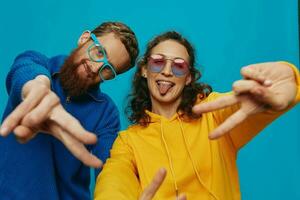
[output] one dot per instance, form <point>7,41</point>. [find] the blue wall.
<point>227,35</point>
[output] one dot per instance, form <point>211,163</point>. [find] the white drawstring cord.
<point>193,163</point>
<point>169,158</point>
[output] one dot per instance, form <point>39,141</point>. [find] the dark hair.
<point>140,98</point>
<point>125,34</point>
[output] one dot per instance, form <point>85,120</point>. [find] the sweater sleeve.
<point>244,132</point>
<point>118,179</point>
<point>26,67</point>
<point>107,131</point>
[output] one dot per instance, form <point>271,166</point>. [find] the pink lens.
<point>179,67</point>
<point>156,63</point>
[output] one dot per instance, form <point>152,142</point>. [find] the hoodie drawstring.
<point>169,158</point>
<point>193,163</point>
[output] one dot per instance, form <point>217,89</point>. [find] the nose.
<point>167,70</point>
<point>95,66</point>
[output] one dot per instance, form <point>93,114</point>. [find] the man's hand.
<point>41,111</point>
<point>266,86</point>
<point>156,182</point>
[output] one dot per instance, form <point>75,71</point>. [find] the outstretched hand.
<point>41,111</point>
<point>265,86</point>
<point>155,184</point>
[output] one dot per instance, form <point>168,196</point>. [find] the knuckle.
<point>43,89</point>
<point>32,119</point>
<point>54,98</point>
<point>280,104</point>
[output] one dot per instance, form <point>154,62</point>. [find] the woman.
<point>168,134</point>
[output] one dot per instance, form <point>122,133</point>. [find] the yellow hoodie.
<point>199,167</point>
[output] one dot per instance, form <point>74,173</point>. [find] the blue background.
<point>227,35</point>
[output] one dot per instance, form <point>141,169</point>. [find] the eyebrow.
<point>168,56</point>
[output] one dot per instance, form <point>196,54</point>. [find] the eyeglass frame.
<point>104,60</point>
<point>170,59</point>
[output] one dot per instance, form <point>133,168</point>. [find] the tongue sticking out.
<point>164,88</point>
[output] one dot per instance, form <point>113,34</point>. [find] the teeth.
<point>165,83</point>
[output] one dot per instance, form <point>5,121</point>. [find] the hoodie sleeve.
<point>26,67</point>
<point>118,179</point>
<point>244,132</point>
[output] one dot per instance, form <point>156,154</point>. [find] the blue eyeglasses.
<point>96,53</point>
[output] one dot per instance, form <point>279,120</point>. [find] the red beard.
<point>71,82</point>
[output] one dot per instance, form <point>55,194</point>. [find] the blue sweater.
<point>43,168</point>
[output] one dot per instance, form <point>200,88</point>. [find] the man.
<point>61,96</point>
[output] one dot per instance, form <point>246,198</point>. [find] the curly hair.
<point>139,99</point>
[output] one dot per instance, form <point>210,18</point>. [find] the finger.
<point>75,147</point>
<point>253,72</point>
<point>72,126</point>
<point>182,197</point>
<point>260,93</point>
<point>244,86</point>
<point>219,103</point>
<point>231,122</point>
<point>21,140</point>
<point>270,99</point>
<point>41,112</point>
<point>31,100</point>
<point>248,86</point>
<point>156,182</point>
<point>23,132</point>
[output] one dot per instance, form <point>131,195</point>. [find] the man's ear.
<point>85,36</point>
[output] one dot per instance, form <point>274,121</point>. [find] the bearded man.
<point>60,96</point>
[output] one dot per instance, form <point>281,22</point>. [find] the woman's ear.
<point>188,79</point>
<point>85,36</point>
<point>144,71</point>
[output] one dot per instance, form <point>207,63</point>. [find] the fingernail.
<point>4,131</point>
<point>247,69</point>
<point>267,82</point>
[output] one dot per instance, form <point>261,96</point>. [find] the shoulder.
<point>132,129</point>
<point>32,55</point>
<point>56,62</point>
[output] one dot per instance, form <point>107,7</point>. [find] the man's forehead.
<point>115,50</point>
